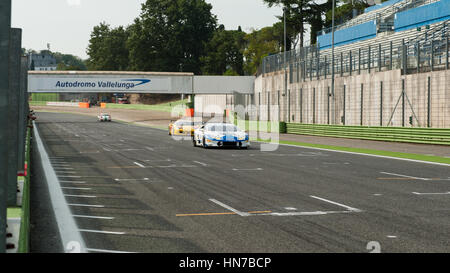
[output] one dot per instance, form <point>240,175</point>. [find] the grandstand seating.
<point>389,16</point>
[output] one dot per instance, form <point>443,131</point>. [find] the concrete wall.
<point>313,101</point>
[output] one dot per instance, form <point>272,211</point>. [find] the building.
<point>43,61</point>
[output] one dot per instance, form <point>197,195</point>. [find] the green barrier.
<point>395,134</point>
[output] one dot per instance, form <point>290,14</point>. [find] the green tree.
<point>69,62</point>
<point>171,35</point>
<point>224,53</point>
<point>297,14</point>
<point>261,43</point>
<point>107,48</point>
<point>343,10</point>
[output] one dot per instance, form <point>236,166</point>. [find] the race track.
<point>136,189</point>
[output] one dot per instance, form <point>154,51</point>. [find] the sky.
<point>67,24</point>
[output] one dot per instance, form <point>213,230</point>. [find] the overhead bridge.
<point>136,82</point>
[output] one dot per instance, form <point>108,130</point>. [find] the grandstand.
<point>379,71</point>
<point>416,42</point>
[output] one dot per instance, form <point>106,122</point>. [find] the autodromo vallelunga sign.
<point>127,84</point>
<point>136,82</point>
<point>109,82</point>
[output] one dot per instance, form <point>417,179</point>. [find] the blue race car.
<point>220,135</point>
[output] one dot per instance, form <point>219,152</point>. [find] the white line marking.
<point>68,230</point>
<point>73,182</point>
<point>139,164</point>
<point>143,179</point>
<point>290,208</point>
<point>84,205</point>
<point>157,160</point>
<point>94,217</point>
<point>201,163</point>
<point>406,176</point>
<point>64,172</point>
<point>391,236</point>
<point>431,193</point>
<point>81,196</point>
<point>107,251</point>
<point>306,213</point>
<point>75,188</point>
<point>353,153</point>
<point>101,231</point>
<point>335,203</point>
<point>229,208</point>
<point>257,169</point>
<point>150,149</point>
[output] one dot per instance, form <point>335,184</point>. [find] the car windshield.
<point>222,128</point>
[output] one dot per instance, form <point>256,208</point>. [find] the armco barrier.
<point>396,134</point>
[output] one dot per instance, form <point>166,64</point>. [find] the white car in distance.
<point>104,117</point>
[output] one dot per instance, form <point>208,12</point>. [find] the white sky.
<point>67,24</point>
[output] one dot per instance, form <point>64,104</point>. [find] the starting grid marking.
<point>234,211</point>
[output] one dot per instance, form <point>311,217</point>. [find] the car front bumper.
<point>222,143</point>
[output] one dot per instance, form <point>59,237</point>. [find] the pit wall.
<point>369,99</point>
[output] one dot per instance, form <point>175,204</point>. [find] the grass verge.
<point>420,157</point>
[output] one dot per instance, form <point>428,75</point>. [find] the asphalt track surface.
<point>136,189</point>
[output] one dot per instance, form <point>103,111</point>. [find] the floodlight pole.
<point>332,60</point>
<point>285,66</point>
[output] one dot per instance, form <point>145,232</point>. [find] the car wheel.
<point>194,142</point>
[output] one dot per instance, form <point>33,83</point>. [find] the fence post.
<point>381,103</point>
<point>446,53</point>
<point>369,59</point>
<point>345,98</point>
<point>379,57</point>
<point>318,66</point>
<point>390,55</point>
<point>328,105</point>
<point>432,55</point>
<point>359,61</point>
<point>301,105</point>
<point>351,62</point>
<point>15,49</point>
<point>404,60</point>
<point>403,102</point>
<point>342,63</point>
<point>289,106</point>
<point>362,103</point>
<point>5,26</point>
<point>418,57</point>
<point>325,68</point>
<point>429,102</point>
<point>314,105</point>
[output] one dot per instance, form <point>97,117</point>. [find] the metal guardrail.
<point>393,134</point>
